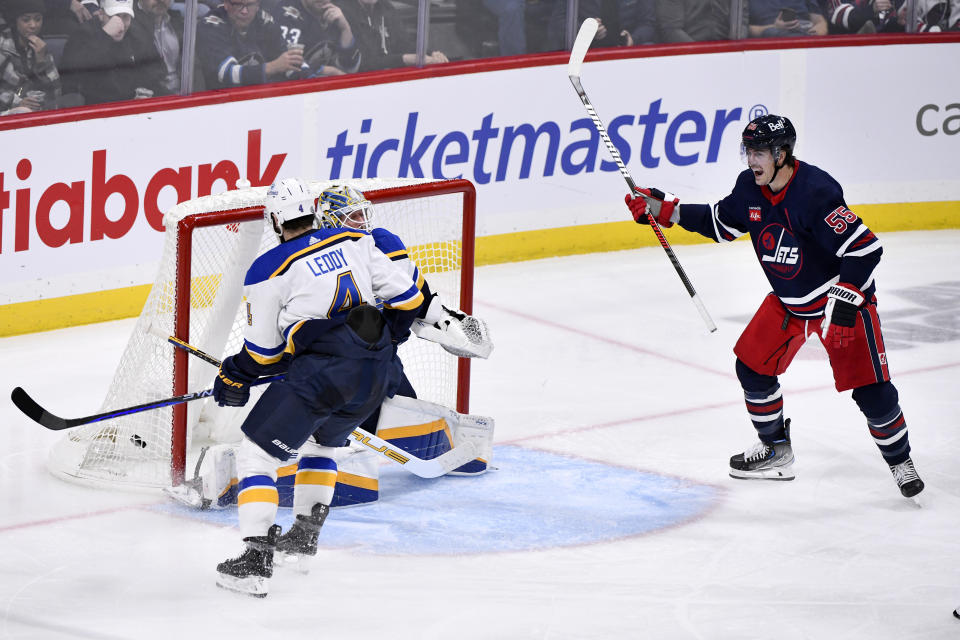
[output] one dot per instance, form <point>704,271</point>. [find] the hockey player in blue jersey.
<point>819,258</point>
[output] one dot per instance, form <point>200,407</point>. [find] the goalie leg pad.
<point>358,476</point>
<point>428,430</point>
<point>214,484</point>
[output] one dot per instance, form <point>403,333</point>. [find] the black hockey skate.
<point>765,461</point>
<point>299,544</point>
<point>249,572</point>
<point>907,479</point>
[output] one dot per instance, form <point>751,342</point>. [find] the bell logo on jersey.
<point>754,214</point>
<point>778,251</point>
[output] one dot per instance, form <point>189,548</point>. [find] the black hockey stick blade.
<point>35,412</point>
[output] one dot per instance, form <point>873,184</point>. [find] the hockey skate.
<point>298,545</point>
<point>907,479</point>
<point>764,461</point>
<point>250,572</point>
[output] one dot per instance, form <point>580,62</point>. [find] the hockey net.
<point>209,243</point>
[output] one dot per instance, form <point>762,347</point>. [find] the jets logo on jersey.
<point>778,251</point>
<point>754,214</point>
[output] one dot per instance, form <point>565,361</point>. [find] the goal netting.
<point>209,243</point>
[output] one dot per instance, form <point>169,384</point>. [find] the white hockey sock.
<point>316,480</point>
<point>257,499</point>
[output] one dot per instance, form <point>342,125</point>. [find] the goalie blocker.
<point>423,429</point>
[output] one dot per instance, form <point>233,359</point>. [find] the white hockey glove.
<point>462,335</point>
<point>840,314</point>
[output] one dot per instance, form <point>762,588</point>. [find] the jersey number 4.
<point>840,218</point>
<point>346,297</point>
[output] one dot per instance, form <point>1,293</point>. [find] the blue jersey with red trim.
<point>804,236</point>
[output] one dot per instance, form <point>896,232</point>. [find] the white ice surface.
<point>599,358</point>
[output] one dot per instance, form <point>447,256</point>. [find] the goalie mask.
<point>289,199</point>
<point>344,206</point>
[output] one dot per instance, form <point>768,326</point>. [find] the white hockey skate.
<point>763,461</point>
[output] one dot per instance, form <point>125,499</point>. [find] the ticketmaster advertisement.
<point>81,203</point>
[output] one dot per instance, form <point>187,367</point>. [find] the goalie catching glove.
<point>840,314</point>
<point>664,207</point>
<point>458,333</point>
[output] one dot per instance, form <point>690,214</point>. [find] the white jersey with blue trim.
<point>319,275</point>
<point>392,246</point>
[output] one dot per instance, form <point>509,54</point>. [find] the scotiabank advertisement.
<point>82,202</point>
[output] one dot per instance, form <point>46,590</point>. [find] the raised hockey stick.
<point>432,468</point>
<point>580,46</point>
<point>38,414</point>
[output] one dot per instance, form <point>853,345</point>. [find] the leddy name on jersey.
<point>327,262</point>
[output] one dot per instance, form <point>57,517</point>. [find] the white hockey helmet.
<point>287,200</point>
<point>343,206</point>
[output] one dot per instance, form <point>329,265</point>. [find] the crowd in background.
<point>60,53</point>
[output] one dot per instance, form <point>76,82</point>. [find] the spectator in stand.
<point>240,44</point>
<point>938,15</point>
<point>623,23</point>
<point>64,16</point>
<point>29,80</point>
<point>384,41</point>
<point>511,25</point>
<point>99,61</point>
<point>157,38</point>
<point>863,16</point>
<point>693,20</point>
<point>786,18</point>
<point>330,48</point>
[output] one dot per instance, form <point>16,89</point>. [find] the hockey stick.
<point>584,37</point>
<point>38,414</point>
<point>432,468</point>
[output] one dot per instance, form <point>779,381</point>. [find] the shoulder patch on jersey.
<point>291,12</point>
<point>266,17</point>
<point>214,20</point>
<point>388,242</point>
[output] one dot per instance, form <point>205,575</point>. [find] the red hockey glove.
<point>662,206</point>
<point>840,314</point>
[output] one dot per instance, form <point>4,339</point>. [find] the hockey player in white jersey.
<point>309,314</point>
